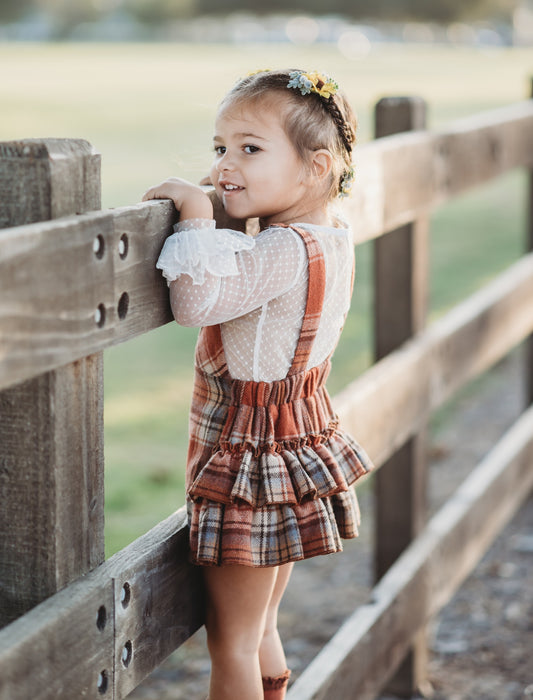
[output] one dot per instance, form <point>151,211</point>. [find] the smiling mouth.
<point>231,188</point>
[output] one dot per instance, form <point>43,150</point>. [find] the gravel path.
<point>481,645</point>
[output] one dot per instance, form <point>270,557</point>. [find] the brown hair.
<point>310,121</point>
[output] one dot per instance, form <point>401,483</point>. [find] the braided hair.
<point>312,122</point>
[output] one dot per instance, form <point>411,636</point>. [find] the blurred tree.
<point>423,10</point>
<point>11,10</point>
<point>451,10</point>
<point>66,14</point>
<point>157,11</point>
<point>310,7</point>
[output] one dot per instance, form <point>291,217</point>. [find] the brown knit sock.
<point>275,687</point>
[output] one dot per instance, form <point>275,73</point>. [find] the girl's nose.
<point>225,162</point>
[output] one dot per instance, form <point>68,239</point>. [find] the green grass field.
<point>148,109</point>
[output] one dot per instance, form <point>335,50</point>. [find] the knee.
<point>233,641</point>
<point>229,649</point>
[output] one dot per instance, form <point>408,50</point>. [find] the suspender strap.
<point>313,309</point>
<point>315,299</point>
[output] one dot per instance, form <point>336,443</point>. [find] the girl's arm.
<point>216,275</point>
<point>194,202</point>
<point>190,200</point>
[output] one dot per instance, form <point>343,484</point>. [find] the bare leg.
<point>271,654</point>
<point>237,602</point>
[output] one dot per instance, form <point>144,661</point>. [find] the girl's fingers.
<point>149,194</point>
<point>154,193</point>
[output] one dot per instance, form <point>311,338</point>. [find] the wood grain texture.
<point>78,285</point>
<point>370,645</point>
<point>165,600</point>
<point>43,179</point>
<point>401,270</point>
<point>392,400</point>
<point>57,651</point>
<point>529,247</point>
<point>125,617</point>
<point>401,177</point>
<point>51,483</point>
<point>51,425</point>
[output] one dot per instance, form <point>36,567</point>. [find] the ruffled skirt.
<point>277,484</point>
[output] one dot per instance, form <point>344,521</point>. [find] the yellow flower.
<point>315,82</point>
<point>323,85</point>
<point>255,72</point>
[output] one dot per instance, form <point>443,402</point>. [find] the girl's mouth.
<point>229,187</point>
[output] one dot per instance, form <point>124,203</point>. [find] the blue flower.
<point>315,82</point>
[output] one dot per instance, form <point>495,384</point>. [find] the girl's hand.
<point>190,200</point>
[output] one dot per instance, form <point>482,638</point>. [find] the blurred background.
<point>140,80</point>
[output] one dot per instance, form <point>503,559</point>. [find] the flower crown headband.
<point>325,87</point>
<point>315,82</point>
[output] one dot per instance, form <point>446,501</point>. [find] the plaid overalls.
<point>269,472</point>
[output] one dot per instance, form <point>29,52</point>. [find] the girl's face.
<point>257,172</point>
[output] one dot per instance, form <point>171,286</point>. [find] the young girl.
<point>269,471</point>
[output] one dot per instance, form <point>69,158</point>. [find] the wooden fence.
<point>74,281</point>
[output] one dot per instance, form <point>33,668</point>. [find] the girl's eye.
<point>251,149</point>
<point>220,150</point>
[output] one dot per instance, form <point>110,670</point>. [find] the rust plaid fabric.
<point>269,472</point>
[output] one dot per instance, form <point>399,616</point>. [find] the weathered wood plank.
<point>61,649</point>
<point>42,179</point>
<point>97,285</point>
<point>400,177</point>
<point>124,618</point>
<point>51,483</point>
<point>401,267</point>
<point>78,312</point>
<point>392,400</point>
<point>363,655</point>
<point>51,426</point>
<point>528,350</point>
<point>164,596</point>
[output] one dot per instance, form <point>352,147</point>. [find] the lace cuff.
<point>198,247</point>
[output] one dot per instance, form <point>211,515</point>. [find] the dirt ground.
<point>481,645</point>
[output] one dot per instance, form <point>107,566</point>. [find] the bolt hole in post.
<point>99,316</point>
<point>99,246</point>
<point>495,149</point>
<point>103,682</point>
<point>127,654</point>
<point>101,618</point>
<point>125,595</point>
<point>123,246</point>
<point>123,304</point>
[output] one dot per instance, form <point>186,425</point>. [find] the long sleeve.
<point>216,275</point>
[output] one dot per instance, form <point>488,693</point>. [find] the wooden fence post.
<point>401,291</point>
<point>51,427</point>
<point>529,248</point>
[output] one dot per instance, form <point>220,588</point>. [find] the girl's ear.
<point>321,163</point>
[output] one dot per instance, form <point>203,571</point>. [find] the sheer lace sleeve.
<point>198,247</point>
<point>245,277</point>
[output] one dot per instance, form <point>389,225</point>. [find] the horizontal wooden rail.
<point>402,176</point>
<point>77,285</point>
<point>110,628</point>
<point>384,406</point>
<point>392,400</point>
<point>370,645</point>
